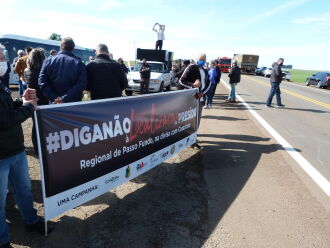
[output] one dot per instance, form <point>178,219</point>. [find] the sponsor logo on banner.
<point>180,145</point>
<point>112,180</point>
<point>164,154</point>
<point>172,150</point>
<point>153,160</point>
<point>140,166</point>
<point>128,171</point>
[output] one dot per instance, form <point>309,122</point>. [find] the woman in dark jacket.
<point>31,75</point>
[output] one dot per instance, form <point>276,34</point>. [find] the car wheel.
<point>128,92</point>
<point>168,87</point>
<point>288,80</point>
<point>307,82</point>
<point>319,85</point>
<point>161,87</point>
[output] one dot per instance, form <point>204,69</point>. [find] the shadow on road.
<point>222,118</point>
<point>169,206</point>
<point>296,109</point>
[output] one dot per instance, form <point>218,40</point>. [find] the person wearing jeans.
<point>235,78</point>
<point>209,95</point>
<point>275,81</point>
<point>14,171</point>
<point>13,163</point>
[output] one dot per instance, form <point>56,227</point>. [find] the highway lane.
<point>304,122</point>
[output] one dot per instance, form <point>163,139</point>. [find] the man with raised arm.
<point>160,35</point>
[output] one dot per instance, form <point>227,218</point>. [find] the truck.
<point>225,64</point>
<point>247,62</point>
<point>160,62</point>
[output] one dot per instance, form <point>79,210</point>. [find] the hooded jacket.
<point>277,75</point>
<point>12,114</point>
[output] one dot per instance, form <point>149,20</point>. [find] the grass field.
<point>300,76</point>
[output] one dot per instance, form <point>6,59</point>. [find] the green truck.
<point>247,62</point>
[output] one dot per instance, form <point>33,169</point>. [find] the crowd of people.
<point>62,78</point>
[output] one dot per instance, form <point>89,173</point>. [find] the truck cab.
<point>160,78</point>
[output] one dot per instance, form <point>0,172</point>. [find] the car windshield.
<point>155,67</point>
<point>225,61</point>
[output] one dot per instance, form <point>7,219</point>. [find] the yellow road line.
<point>323,104</point>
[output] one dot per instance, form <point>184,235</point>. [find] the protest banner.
<point>88,148</point>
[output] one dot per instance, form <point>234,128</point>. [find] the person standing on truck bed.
<point>145,77</point>
<point>160,35</point>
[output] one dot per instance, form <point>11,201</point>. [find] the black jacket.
<point>145,71</point>
<point>12,114</point>
<point>31,77</point>
<point>190,75</point>
<point>234,75</point>
<point>105,78</point>
<point>277,75</point>
<point>5,78</point>
<point>178,74</point>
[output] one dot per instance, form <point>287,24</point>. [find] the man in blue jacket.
<point>63,77</point>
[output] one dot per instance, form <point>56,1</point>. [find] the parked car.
<point>267,72</point>
<point>320,79</point>
<point>287,75</point>
<point>259,70</point>
<point>160,78</point>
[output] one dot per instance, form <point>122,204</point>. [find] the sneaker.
<point>210,106</point>
<point>7,245</point>
<point>228,100</point>
<point>39,227</point>
<point>206,107</point>
<point>268,106</point>
<point>280,106</point>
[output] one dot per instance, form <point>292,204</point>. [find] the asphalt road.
<point>303,122</point>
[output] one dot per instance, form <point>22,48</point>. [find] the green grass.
<point>300,76</point>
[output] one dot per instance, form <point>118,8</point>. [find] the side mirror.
<point>314,75</point>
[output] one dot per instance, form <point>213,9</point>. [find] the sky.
<point>297,30</point>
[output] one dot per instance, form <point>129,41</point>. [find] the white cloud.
<point>277,10</point>
<point>321,20</point>
<point>109,4</point>
<point>74,1</point>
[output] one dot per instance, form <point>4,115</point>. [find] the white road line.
<point>317,177</point>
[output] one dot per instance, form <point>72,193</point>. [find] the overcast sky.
<point>297,30</point>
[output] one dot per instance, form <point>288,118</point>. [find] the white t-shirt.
<point>160,35</point>
<point>202,72</point>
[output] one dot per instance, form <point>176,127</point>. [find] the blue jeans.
<point>232,93</point>
<point>14,171</point>
<point>21,89</point>
<point>210,94</point>
<point>275,89</point>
